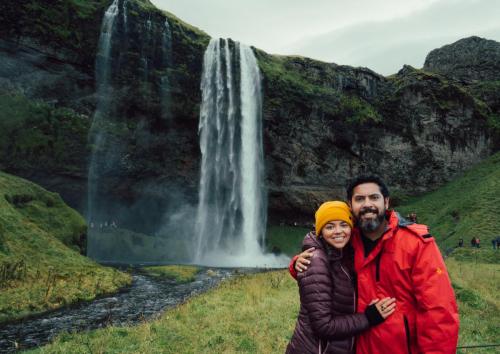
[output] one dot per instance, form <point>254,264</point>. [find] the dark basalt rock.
<point>468,59</point>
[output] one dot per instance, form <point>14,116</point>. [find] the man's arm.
<point>437,315</point>
<point>300,262</point>
<point>291,267</point>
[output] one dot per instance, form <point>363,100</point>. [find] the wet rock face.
<point>424,132</point>
<point>35,72</point>
<point>468,59</point>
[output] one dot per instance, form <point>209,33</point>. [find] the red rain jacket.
<point>406,264</point>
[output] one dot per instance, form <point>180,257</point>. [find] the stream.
<point>145,299</point>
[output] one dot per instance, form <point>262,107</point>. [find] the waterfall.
<point>231,214</point>
<point>114,134</point>
<point>124,11</point>
<point>167,63</point>
<point>96,134</point>
<point>104,49</point>
<point>252,154</point>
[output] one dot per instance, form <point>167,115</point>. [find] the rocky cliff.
<point>467,60</point>
<point>323,123</point>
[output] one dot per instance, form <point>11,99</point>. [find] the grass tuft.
<point>179,273</point>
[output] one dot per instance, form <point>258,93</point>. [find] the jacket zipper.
<point>354,301</point>
<point>407,331</point>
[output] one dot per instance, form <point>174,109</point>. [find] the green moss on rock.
<point>36,135</point>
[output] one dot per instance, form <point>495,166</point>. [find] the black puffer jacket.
<point>327,322</point>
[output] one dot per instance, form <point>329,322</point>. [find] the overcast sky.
<point>379,34</point>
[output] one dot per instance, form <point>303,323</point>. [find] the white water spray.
<point>231,215</point>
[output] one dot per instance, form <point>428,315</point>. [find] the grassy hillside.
<point>475,275</point>
<point>40,264</point>
<point>257,314</point>
<point>466,207</point>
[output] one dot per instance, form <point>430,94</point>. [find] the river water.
<point>145,299</point>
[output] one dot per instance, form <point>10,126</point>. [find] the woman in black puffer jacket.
<point>327,321</point>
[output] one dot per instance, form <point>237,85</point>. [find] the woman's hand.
<point>386,306</point>
<point>378,310</point>
<point>303,261</point>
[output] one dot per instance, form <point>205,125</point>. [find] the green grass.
<point>181,274</point>
<point>40,265</point>
<point>477,286</point>
<point>285,239</point>
<point>465,207</point>
<point>257,314</point>
<point>486,255</point>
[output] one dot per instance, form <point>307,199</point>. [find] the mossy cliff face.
<point>324,123</point>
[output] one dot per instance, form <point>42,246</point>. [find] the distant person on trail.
<point>473,242</point>
<point>478,242</point>
<point>461,242</point>
<point>327,322</point>
<point>396,258</point>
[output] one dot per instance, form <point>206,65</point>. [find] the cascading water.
<point>121,225</point>
<point>124,11</point>
<point>231,215</point>
<point>96,135</point>
<point>167,63</point>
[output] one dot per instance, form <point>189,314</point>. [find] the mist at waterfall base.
<point>231,215</point>
<point>156,220</point>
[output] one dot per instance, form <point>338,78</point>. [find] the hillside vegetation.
<point>41,267</point>
<point>463,208</point>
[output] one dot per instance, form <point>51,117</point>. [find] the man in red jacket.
<point>400,259</point>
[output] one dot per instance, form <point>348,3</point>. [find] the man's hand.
<point>303,260</point>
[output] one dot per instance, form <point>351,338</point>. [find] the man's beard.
<point>368,226</point>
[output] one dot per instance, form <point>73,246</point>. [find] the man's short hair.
<point>367,179</point>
